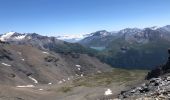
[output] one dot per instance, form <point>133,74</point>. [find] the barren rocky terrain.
<point>28,73</point>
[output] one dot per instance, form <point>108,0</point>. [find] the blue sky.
<point>57,17</point>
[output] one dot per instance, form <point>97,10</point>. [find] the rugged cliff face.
<point>154,89</point>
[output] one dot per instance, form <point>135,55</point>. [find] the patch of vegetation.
<point>115,76</point>
<point>71,48</point>
<point>65,89</point>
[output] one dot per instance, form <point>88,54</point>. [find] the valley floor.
<point>92,87</point>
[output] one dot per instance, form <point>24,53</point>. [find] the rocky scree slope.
<point>25,64</point>
<point>45,43</point>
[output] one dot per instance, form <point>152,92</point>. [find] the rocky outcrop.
<point>154,89</point>
<point>4,54</point>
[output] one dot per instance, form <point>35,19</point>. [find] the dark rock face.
<point>51,59</point>
<point>160,70</point>
<point>2,42</point>
<point>154,73</point>
<point>4,54</point>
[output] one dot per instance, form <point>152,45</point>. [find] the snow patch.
<point>20,37</point>
<point>68,78</point>
<point>64,80</point>
<point>49,83</point>
<point>45,52</point>
<point>108,92</point>
<point>154,27</point>
<point>5,64</point>
<point>78,66</point>
<point>41,89</point>
<point>23,59</point>
<point>22,86</point>
<point>99,71</point>
<point>33,79</point>
<point>29,37</point>
<point>60,82</point>
<point>6,36</point>
<point>81,75</point>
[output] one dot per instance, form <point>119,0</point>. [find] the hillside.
<point>131,47</point>
<point>20,62</point>
<point>31,71</point>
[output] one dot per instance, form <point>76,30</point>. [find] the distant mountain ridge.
<point>132,47</point>
<point>45,43</point>
<point>127,48</point>
<point>83,38</point>
<point>129,34</point>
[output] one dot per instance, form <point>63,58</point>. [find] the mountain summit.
<point>12,36</point>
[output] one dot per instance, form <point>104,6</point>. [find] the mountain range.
<point>31,58</point>
<point>52,68</point>
<point>36,67</point>
<point>131,35</point>
<point>132,48</point>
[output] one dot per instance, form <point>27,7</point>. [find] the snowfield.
<point>45,52</point>
<point>5,64</point>
<point>6,36</point>
<point>108,92</point>
<point>23,86</point>
<point>33,79</point>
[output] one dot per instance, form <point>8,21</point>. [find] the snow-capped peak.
<point>6,36</point>
<point>12,36</point>
<point>20,37</point>
<point>130,30</point>
<point>154,27</point>
<point>101,33</point>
